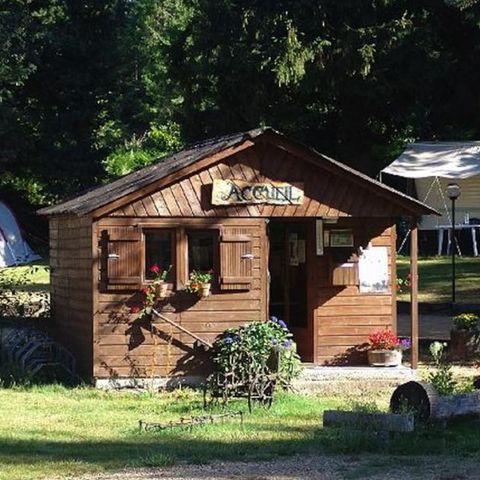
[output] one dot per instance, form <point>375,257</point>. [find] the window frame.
<point>172,283</point>
<point>215,234</point>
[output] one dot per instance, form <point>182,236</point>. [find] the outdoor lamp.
<point>453,192</point>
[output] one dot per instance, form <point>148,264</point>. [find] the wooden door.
<point>288,286</point>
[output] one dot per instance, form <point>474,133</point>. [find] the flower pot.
<point>463,344</point>
<point>161,290</point>
<point>384,358</point>
<point>204,290</point>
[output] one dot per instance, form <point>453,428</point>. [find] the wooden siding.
<point>71,287</point>
<point>327,194</point>
<point>128,346</point>
<point>345,317</point>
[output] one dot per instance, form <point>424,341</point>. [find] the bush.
<point>442,378</point>
<point>246,350</point>
<point>466,321</point>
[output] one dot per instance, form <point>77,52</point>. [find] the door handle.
<point>247,256</point>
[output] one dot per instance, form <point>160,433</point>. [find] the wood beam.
<point>414,290</point>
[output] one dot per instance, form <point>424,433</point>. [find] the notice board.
<point>373,270</point>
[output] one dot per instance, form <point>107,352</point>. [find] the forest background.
<point>90,90</point>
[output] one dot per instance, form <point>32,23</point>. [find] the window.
<point>159,249</point>
<point>202,250</point>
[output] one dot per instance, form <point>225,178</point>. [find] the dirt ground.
<point>315,467</point>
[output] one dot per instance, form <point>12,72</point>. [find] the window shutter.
<point>120,258</point>
<point>236,259</point>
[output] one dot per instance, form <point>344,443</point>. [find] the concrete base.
<point>312,376</point>
<point>155,383</point>
<point>320,373</point>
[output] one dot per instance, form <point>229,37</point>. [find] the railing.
<point>182,329</point>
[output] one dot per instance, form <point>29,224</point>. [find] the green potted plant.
<point>160,280</point>
<point>200,283</point>
<point>385,349</point>
<point>463,337</point>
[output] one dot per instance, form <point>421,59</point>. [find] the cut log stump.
<point>423,401</point>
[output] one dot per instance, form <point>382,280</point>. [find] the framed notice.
<point>373,270</point>
<point>341,238</point>
<point>319,236</point>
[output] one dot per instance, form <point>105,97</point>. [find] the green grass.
<point>50,432</point>
<point>32,277</point>
<point>435,279</point>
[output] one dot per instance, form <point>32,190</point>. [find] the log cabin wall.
<point>345,317</point>
<point>128,347</point>
<point>71,287</point>
<point>341,318</point>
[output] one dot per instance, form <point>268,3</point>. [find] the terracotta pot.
<point>384,358</point>
<point>161,290</point>
<point>463,344</point>
<point>204,290</point>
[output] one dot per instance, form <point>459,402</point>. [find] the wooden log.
<point>426,404</point>
<point>420,398</point>
<point>381,422</point>
<point>457,405</point>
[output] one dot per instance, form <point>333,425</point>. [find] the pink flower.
<point>135,309</point>
<point>155,268</point>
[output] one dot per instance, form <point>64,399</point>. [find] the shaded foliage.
<point>91,90</point>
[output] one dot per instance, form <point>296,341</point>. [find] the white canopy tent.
<point>432,166</point>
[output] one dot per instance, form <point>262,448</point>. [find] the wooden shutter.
<point>236,259</point>
<point>120,258</point>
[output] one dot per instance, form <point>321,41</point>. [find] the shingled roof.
<point>100,196</point>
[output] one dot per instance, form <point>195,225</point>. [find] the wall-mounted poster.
<point>373,270</point>
<point>341,238</point>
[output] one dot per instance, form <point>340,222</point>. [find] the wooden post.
<point>414,290</point>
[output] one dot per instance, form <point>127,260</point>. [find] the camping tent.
<point>14,250</point>
<point>432,166</point>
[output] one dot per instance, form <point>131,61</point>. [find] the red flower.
<point>155,268</point>
<point>383,340</point>
<point>145,290</point>
<point>135,309</point>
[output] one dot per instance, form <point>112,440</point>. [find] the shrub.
<point>245,350</point>
<point>442,378</point>
<point>466,321</point>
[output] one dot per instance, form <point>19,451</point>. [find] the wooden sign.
<point>232,192</point>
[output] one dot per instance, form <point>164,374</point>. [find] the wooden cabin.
<point>288,232</point>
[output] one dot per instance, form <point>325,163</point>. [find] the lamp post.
<point>453,192</point>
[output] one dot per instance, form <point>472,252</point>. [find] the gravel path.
<point>314,467</point>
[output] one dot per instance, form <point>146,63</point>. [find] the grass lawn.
<point>55,432</point>
<point>32,277</point>
<point>435,279</point>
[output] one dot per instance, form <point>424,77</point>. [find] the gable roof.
<point>101,196</point>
